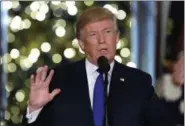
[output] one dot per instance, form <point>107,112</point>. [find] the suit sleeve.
<point>45,117</point>
<point>156,111</point>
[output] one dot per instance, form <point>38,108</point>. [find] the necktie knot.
<point>99,71</point>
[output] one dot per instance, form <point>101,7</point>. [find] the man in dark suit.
<point>66,97</point>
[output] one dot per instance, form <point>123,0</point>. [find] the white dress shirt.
<point>92,74</point>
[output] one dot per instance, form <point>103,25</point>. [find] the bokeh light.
<point>40,16</point>
<point>81,51</point>
<point>6,58</point>
<point>131,64</point>
<point>35,6</point>
<point>60,31</point>
<point>9,87</point>
<point>118,58</point>
<point>33,57</point>
<point>70,3</point>
<point>16,24</point>
<point>72,10</point>
<point>15,110</point>
<point>15,4</point>
<point>14,53</point>
<point>20,95</point>
<point>26,23</point>
<point>111,8</point>
<point>120,44</point>
<point>89,2</point>
<point>45,47</point>
<point>55,2</point>
<point>26,63</point>
<point>125,52</point>
<point>75,43</point>
<point>11,37</point>
<point>57,58</point>
<point>44,8</point>
<point>11,67</point>
<point>7,115</point>
<point>121,15</point>
<point>69,53</point>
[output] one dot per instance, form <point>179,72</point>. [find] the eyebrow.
<point>102,30</point>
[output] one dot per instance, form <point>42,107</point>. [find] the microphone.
<point>103,64</point>
<point>104,67</point>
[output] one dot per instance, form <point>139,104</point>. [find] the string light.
<point>88,3</point>
<point>75,43</point>
<point>120,44</point>
<point>40,16</point>
<point>35,6</point>
<point>111,8</point>
<point>12,67</point>
<point>16,24</point>
<point>26,23</point>
<point>6,58</point>
<point>60,31</point>
<point>20,95</point>
<point>57,58</point>
<point>55,2</point>
<point>44,8</point>
<point>69,53</point>
<point>118,58</point>
<point>45,47</point>
<point>125,52</point>
<point>72,10</point>
<point>131,64</point>
<point>14,53</point>
<point>121,15</point>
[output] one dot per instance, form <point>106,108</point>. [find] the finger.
<point>48,79</point>
<point>54,93</point>
<point>38,75</point>
<point>44,73</point>
<point>32,79</point>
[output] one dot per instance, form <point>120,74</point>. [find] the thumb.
<point>54,93</point>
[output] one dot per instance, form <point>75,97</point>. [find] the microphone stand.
<point>105,99</point>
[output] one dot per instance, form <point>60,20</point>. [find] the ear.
<point>81,43</point>
<point>117,38</point>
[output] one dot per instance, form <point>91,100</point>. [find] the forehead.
<point>99,25</point>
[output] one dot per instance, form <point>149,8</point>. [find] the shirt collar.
<point>91,68</point>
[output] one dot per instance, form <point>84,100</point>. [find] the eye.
<point>92,34</point>
<point>108,31</point>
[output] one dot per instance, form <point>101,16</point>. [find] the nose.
<point>101,38</point>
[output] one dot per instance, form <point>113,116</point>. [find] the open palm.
<point>39,89</point>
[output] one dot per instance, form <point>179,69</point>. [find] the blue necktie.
<point>98,101</point>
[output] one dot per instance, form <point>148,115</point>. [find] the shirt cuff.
<point>33,115</point>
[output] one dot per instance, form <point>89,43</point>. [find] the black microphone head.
<point>103,64</point>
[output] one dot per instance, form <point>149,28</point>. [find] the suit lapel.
<point>117,85</point>
<point>118,77</point>
<point>84,90</point>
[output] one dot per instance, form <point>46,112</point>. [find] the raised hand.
<point>178,71</point>
<point>39,94</point>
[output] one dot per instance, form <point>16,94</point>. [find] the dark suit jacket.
<point>130,103</point>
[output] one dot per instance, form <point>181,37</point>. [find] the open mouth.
<point>103,51</point>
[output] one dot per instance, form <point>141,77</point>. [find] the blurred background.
<point>41,32</point>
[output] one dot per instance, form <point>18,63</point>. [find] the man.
<point>170,88</point>
<point>69,101</point>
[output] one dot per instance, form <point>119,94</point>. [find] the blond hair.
<point>93,15</point>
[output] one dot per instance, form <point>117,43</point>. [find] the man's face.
<point>99,39</point>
